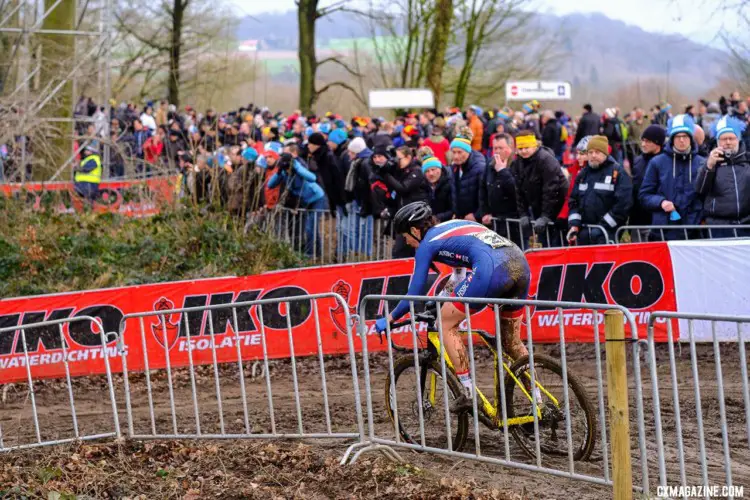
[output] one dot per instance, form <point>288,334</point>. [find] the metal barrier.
<point>325,237</point>
<point>553,236</point>
<point>199,402</point>
<point>643,234</point>
<point>422,401</point>
<point>14,425</point>
<point>711,437</point>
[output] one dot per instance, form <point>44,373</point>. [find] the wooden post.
<point>617,398</point>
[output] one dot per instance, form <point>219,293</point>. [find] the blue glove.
<point>381,324</point>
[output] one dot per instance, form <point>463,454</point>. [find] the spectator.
<point>161,114</point>
<point>153,149</point>
<point>588,125</point>
<point>468,170</point>
<point>476,126</point>
<point>442,189</point>
<point>301,183</point>
<point>724,182</point>
<point>668,186</point>
<point>357,189</point>
<point>652,142</point>
<point>602,195</point>
<point>636,127</point>
<point>409,184</point>
<point>141,134</point>
<point>88,174</point>
<point>174,145</point>
<point>540,186</point>
<point>245,184</point>
<point>612,130</point>
<point>322,162</point>
<point>499,190</point>
<point>437,141</point>
<point>269,162</point>
<point>147,119</point>
<point>552,134</point>
<point>121,148</point>
<point>661,114</point>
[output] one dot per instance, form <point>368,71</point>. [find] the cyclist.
<point>498,270</point>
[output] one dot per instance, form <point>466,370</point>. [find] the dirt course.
<point>309,467</point>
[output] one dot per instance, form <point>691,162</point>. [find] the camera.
<point>285,161</point>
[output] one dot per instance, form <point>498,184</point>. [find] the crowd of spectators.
<point>536,176</point>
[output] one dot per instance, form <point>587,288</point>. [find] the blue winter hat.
<point>476,109</point>
<point>261,162</point>
<point>679,124</point>
<point>250,154</point>
<point>324,128</point>
<point>273,147</point>
<point>309,131</point>
<point>338,136</point>
<point>430,162</point>
<point>728,125</point>
<point>340,124</point>
<point>461,143</point>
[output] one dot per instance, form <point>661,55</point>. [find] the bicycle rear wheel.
<point>552,428</point>
<point>433,405</point>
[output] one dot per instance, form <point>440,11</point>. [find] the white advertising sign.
<point>542,91</point>
<point>402,98</point>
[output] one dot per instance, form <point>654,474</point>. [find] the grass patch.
<point>44,252</point>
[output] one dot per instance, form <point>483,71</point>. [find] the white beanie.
<point>357,145</point>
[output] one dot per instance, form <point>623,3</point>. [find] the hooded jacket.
<point>300,182</point>
<point>468,179</point>
<point>726,189</point>
<point>671,176</point>
<point>357,184</point>
<point>540,185</point>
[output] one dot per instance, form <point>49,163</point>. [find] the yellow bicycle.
<point>403,399</point>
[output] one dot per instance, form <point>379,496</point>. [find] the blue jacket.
<point>469,180</point>
<point>302,185</point>
<point>671,176</point>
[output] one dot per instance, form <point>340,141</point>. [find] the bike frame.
<point>491,409</point>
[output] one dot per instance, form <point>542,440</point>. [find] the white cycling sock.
<point>465,379</point>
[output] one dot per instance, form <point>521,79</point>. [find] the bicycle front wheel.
<point>402,399</point>
<point>551,403</point>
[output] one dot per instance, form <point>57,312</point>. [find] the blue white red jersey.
<point>455,243</point>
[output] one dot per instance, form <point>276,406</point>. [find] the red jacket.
<point>439,149</point>
<point>152,150</point>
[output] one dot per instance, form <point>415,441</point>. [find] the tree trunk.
<point>175,49</point>
<point>57,61</point>
<point>307,14</point>
<point>439,45</point>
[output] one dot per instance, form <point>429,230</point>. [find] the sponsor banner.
<point>134,198</point>
<point>638,277</point>
<point>711,277</point>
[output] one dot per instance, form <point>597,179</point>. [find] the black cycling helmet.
<point>410,216</point>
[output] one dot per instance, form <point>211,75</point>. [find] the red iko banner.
<point>130,198</point>
<point>635,276</point>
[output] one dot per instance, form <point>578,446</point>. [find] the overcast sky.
<point>695,19</point>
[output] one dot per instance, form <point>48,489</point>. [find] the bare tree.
<point>166,34</point>
<point>308,14</point>
<point>496,40</point>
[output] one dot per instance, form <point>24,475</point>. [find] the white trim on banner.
<point>711,277</point>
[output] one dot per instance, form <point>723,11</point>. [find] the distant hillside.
<point>601,54</point>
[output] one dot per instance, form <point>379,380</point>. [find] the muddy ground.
<point>308,467</point>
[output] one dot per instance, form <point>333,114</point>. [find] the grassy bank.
<point>48,253</point>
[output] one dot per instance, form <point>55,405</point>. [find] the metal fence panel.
<point>437,430</point>
<point>644,234</point>
<point>287,399</point>
<point>46,415</point>
<point>701,413</point>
